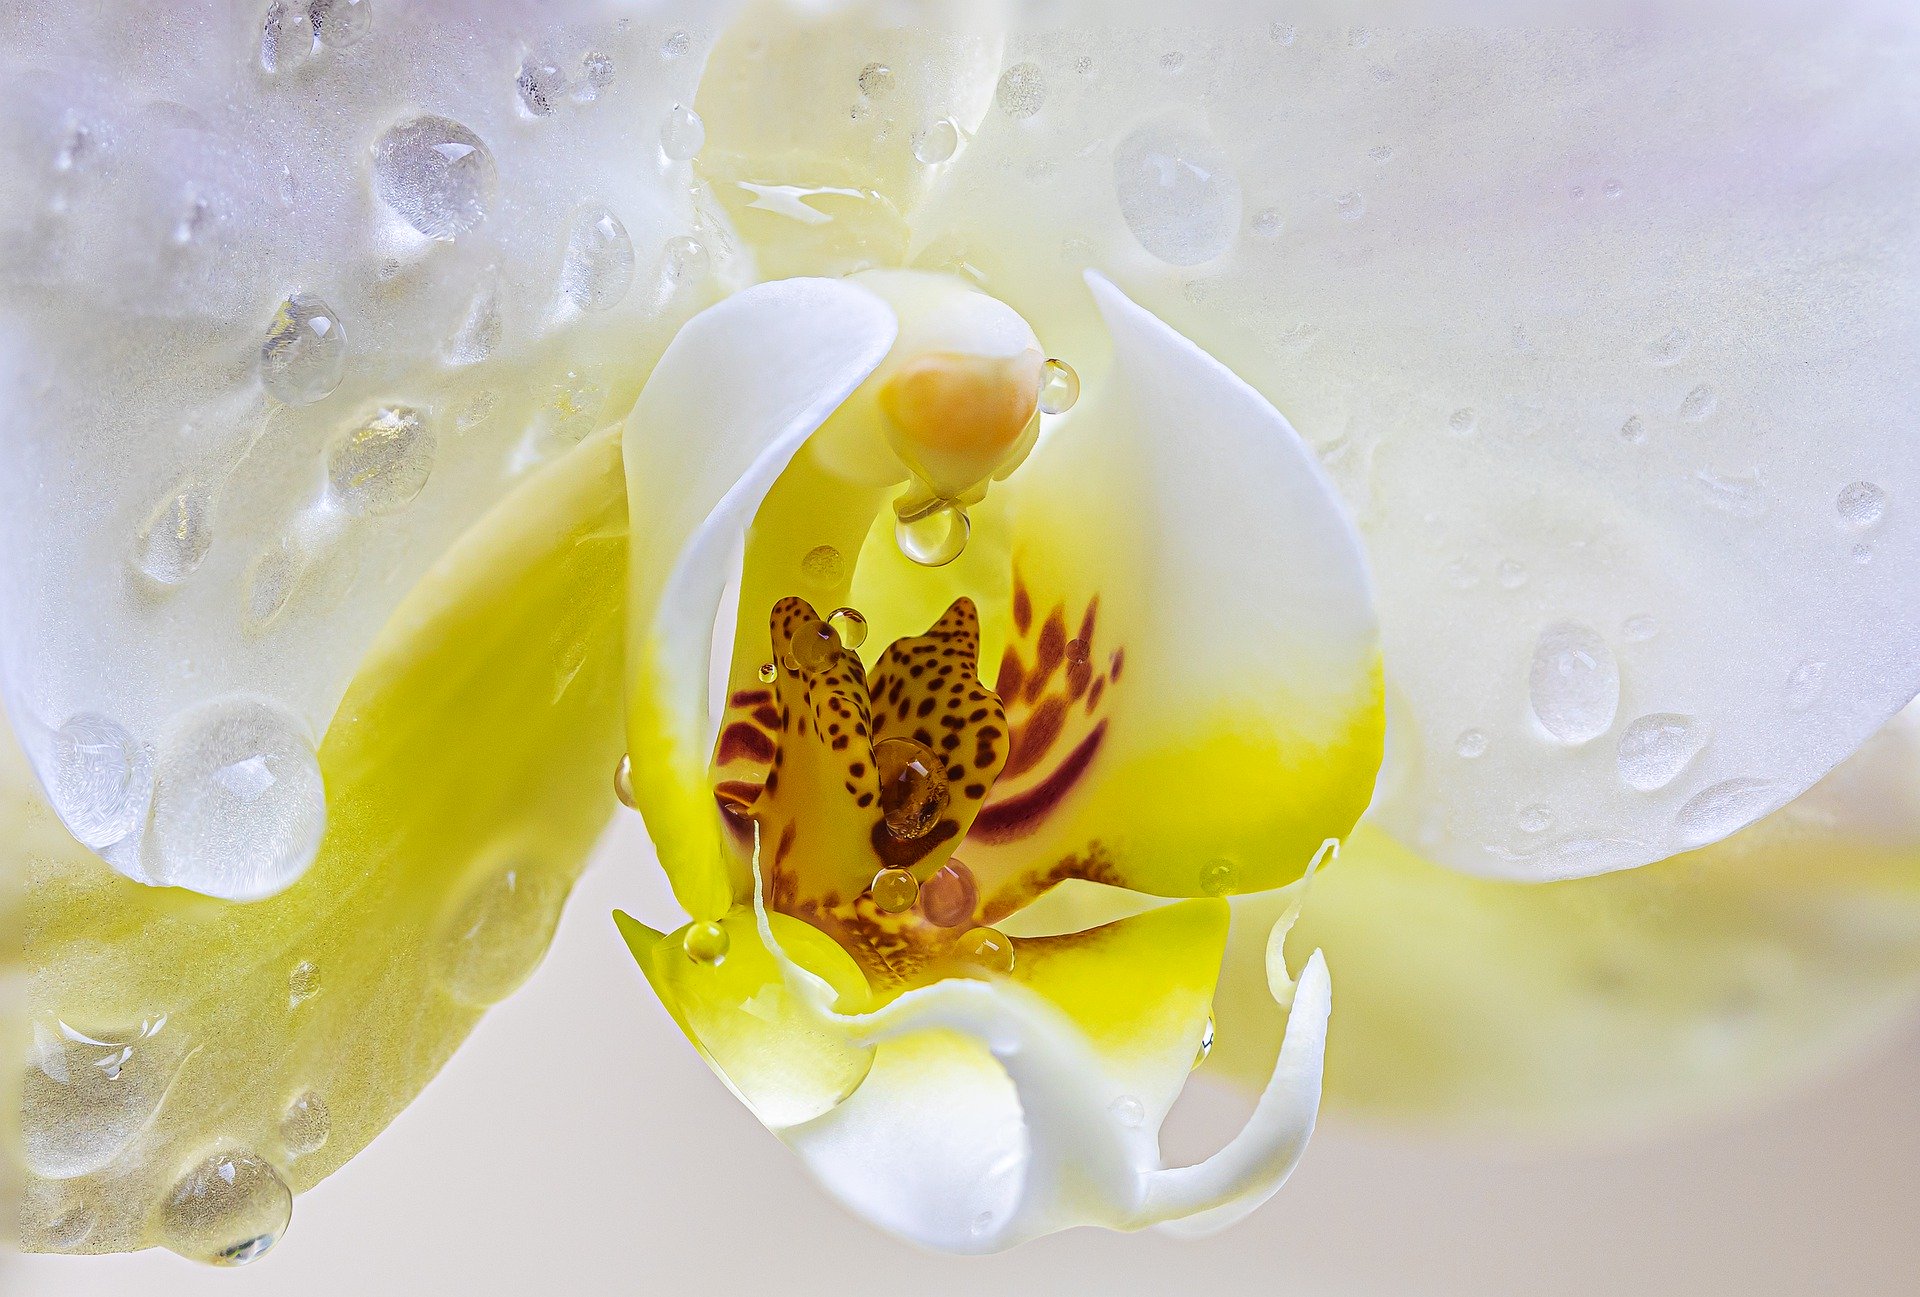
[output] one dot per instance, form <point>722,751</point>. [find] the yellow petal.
<point>468,772</point>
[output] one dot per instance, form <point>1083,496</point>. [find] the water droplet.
<point>1078,652</point>
<point>1698,404</point>
<point>683,134</point>
<point>824,566</point>
<point>687,259</point>
<point>623,781</point>
<point>1461,422</point>
<point>66,1227</point>
<point>1281,33</point>
<point>177,535</point>
<point>1351,205</point>
<point>1471,744</point>
<point>849,625</point>
<point>1128,1111</point>
<point>305,352</point>
<point>1206,1043</point>
<point>1804,683</point>
<point>675,44</point>
<point>339,23</point>
<point>1022,91</point>
<point>1863,553</point>
<point>437,174</point>
<point>303,983</point>
<point>1574,683</point>
<point>1461,575</point>
<point>988,948</point>
<point>1535,818</point>
<point>982,1224</point>
<point>228,1210</point>
<point>913,787</point>
<point>895,890</point>
<point>541,86</point>
<point>1512,574</point>
<point>1267,223</point>
<point>238,805</point>
<point>876,79</point>
<point>1219,878</point>
<point>497,935</point>
<point>1861,504</point>
<point>1059,387</point>
<point>1613,189</point>
<point>1714,812</point>
<point>1634,430</point>
<point>305,1125</point>
<point>1656,748</point>
<point>949,896</point>
<point>1744,495</point>
<point>768,673</point>
<point>1669,347</point>
<point>1177,191</point>
<point>1639,628</point>
<point>379,467</point>
<point>596,74</point>
<point>101,781</point>
<point>813,649</point>
<point>598,269</point>
<point>937,142</point>
<point>933,536</point>
<point>87,1095</point>
<point>705,943</point>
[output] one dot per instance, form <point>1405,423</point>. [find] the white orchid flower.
<point>869,421</point>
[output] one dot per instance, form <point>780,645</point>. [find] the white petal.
<point>1598,331</point>
<point>181,525</point>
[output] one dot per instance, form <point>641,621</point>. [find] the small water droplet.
<point>1471,744</point>
<point>937,142</point>
<point>491,941</point>
<point>1128,1111</point>
<point>66,1227</point>
<point>101,781</point>
<point>1535,818</point>
<point>1461,575</point>
<point>1669,347</point>
<point>1861,504</point>
<point>768,673</point>
<point>86,1095</point>
<point>949,896</point>
<point>1804,684</point>
<point>982,1224</point>
<point>436,174</point>
<point>824,566</point>
<point>1351,205</point>
<point>1613,189</point>
<point>849,625</point>
<point>682,134</point>
<point>623,781</point>
<point>1021,91</point>
<point>1267,223</point>
<point>1206,1043</point>
<point>1639,628</point>
<point>1461,422</point>
<point>687,259</point>
<point>1078,652</point>
<point>305,352</point>
<point>1656,748</point>
<point>705,943</point>
<point>913,787</point>
<point>228,1210</point>
<point>1219,878</point>
<point>1574,683</point>
<point>895,890</point>
<point>339,23</point>
<point>1722,808</point>
<point>598,268</point>
<point>1863,553</point>
<point>381,466</point>
<point>1698,404</point>
<point>305,1125</point>
<point>1177,192</point>
<point>1634,430</point>
<point>303,983</point>
<point>1743,495</point>
<point>933,536</point>
<point>674,44</point>
<point>1059,387</point>
<point>876,79</point>
<point>238,804</point>
<point>987,948</point>
<point>176,536</point>
<point>1281,33</point>
<point>1512,574</point>
<point>596,74</point>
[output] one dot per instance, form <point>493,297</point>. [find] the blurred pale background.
<point>578,1145</point>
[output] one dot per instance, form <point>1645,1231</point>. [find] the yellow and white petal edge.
<point>470,769</point>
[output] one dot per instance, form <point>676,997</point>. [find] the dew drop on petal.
<point>380,466</point>
<point>305,1125</point>
<point>596,74</point>
<point>936,143</point>
<point>986,948</point>
<point>303,983</point>
<point>1128,1111</point>
<point>1670,346</point>
<point>1535,818</point>
<point>687,259</point>
<point>1219,878</point>
<point>493,939</point>
<point>228,1210</point>
<point>768,673</point>
<point>1021,91</point>
<point>705,943</point>
<point>1804,684</point>
<point>599,264</point>
<point>86,1095</point>
<point>1714,812</point>
<point>935,536</point>
<point>1699,404</point>
<point>849,625</point>
<point>913,787</point>
<point>895,890</point>
<point>815,648</point>
<point>541,86</point>
<point>1059,387</point>
<point>824,566</point>
<point>683,134</point>
<point>305,351</point>
<point>675,44</point>
<point>66,1226</point>
<point>876,79</point>
<point>436,174</point>
<point>1177,192</point>
<point>1634,430</point>
<point>1574,683</point>
<point>339,23</point>
<point>238,804</point>
<point>949,896</point>
<point>101,781</point>
<point>1655,749</point>
<point>1639,628</point>
<point>1861,504</point>
<point>1462,422</point>
<point>1471,744</point>
<point>1078,652</point>
<point>176,536</point>
<point>623,781</point>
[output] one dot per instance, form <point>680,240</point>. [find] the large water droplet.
<point>228,1210</point>
<point>176,536</point>
<point>238,803</point>
<point>933,536</point>
<point>339,23</point>
<point>1861,504</point>
<point>913,787</point>
<point>305,1125</point>
<point>949,896</point>
<point>436,174</point>
<point>683,134</point>
<point>937,142</point>
<point>305,351</point>
<point>1574,683</point>
<point>1022,90</point>
<point>1656,748</point>
<point>87,1094</point>
<point>1059,387</point>
<point>894,890</point>
<point>599,264</point>
<point>986,948</point>
<point>494,939</point>
<point>380,466</point>
<point>1177,192</point>
<point>705,943</point>
<point>1714,812</point>
<point>849,625</point>
<point>101,781</point>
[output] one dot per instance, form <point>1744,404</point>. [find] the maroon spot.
<point>752,697</point>
<point>1022,606</point>
<point>743,740</point>
<point>1033,739</point>
<point>768,717</point>
<point>1020,815</point>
